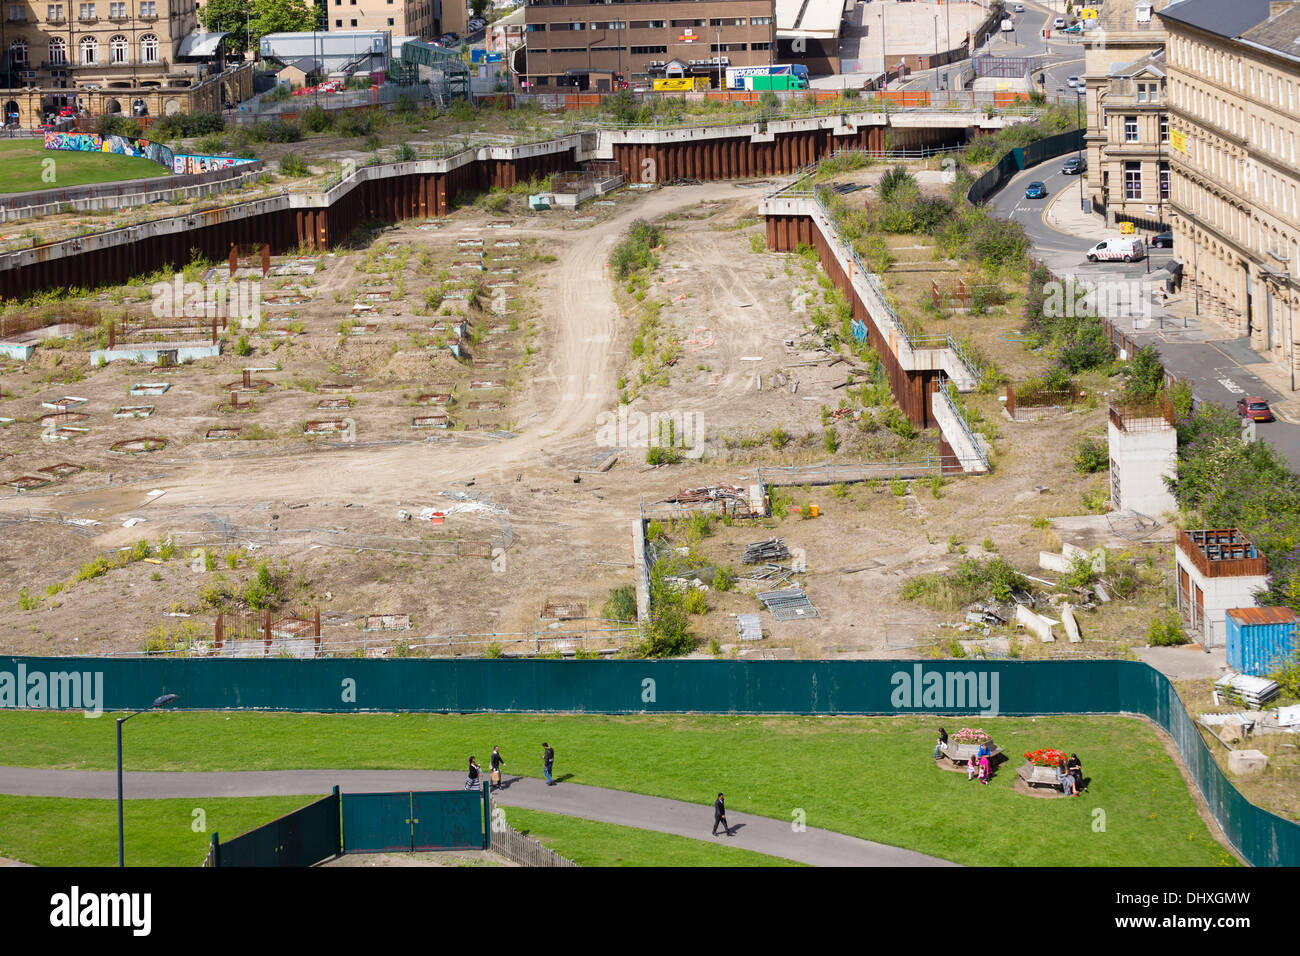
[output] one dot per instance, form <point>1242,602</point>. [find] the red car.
<point>1255,408</point>
<point>67,111</point>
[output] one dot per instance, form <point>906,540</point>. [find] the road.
<point>1219,366</point>
<point>760,834</point>
<point>1065,58</point>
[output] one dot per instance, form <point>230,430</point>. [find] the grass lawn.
<point>604,844</point>
<point>56,831</point>
<point>872,777</point>
<point>21,167</point>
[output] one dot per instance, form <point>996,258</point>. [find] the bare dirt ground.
<point>439,858</point>
<point>560,350</point>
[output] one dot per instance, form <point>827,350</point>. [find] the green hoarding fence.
<point>352,685</point>
<point>301,838</point>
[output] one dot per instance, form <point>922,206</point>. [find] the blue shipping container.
<point>1260,639</point>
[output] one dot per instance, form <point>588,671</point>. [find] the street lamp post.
<point>935,64</point>
<point>162,701</point>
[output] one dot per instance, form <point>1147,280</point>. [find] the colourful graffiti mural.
<point>116,145</point>
<point>185,164</point>
<point>181,164</point>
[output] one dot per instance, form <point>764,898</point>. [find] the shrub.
<point>243,347</point>
<point>780,437</point>
<point>1091,455</point>
<point>695,602</point>
<point>635,253</point>
<point>1144,376</point>
<point>1166,631</point>
<point>492,651</point>
<point>661,455</point>
<point>263,591</point>
<point>405,153</point>
<point>26,602</point>
<point>621,604</point>
<point>291,164</point>
<point>317,120</point>
<point>724,579</point>
<point>830,441</point>
<point>118,125</point>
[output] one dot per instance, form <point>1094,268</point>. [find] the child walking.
<point>984,769</point>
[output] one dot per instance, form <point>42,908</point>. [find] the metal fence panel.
<point>376,822</point>
<point>447,820</point>
<point>301,838</point>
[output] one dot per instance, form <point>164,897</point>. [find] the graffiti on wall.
<point>185,164</point>
<point>179,163</point>
<point>116,145</point>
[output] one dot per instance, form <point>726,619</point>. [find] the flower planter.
<point>1038,776</point>
<point>962,752</point>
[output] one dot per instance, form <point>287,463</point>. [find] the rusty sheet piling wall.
<point>431,188</point>
<point>912,389</point>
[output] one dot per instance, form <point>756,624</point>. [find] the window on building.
<point>117,11</point>
<point>760,21</point>
<point>689,23</point>
<point>87,11</point>
<point>390,21</point>
<point>55,12</point>
<point>58,51</point>
<point>536,27</point>
<point>18,52</point>
<point>89,51</point>
<point>149,8</point>
<point>117,49</point>
<point>760,46</point>
<point>353,23</point>
<point>648,50</point>
<point>149,48</point>
<point>1164,180</point>
<point>649,24</point>
<point>1164,128</point>
<point>1132,180</point>
<point>1144,92</point>
<point>338,23</point>
<point>1130,129</point>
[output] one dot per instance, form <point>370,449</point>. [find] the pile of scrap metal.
<point>788,605</point>
<point>773,574</point>
<point>733,500</point>
<point>760,552</point>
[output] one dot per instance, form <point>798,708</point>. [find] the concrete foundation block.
<point>1246,761</point>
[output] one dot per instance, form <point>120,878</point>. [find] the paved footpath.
<point>760,834</point>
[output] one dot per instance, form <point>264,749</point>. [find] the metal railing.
<point>944,388</point>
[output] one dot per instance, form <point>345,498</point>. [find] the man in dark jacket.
<point>720,816</point>
<point>494,765</point>
<point>548,761</point>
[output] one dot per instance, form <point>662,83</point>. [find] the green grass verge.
<point>22,167</point>
<point>57,831</point>
<point>872,777</point>
<point>588,843</point>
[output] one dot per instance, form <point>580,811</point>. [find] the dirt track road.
<point>580,316</point>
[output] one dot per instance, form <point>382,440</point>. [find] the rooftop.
<point>1262,615</point>
<point>809,18</point>
<point>1226,19</point>
<point>1121,15</point>
<point>1280,35</point>
<point>1222,552</point>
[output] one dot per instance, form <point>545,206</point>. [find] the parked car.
<point>1254,408</point>
<point>1035,190</point>
<point>477,23</point>
<point>1163,240</point>
<point>1074,166</point>
<point>1127,248</point>
<point>1072,82</point>
<point>1077,28</point>
<point>1020,8</point>
<point>1058,23</point>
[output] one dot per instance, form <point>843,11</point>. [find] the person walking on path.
<point>720,816</point>
<point>548,761</point>
<point>494,765</point>
<point>471,781</point>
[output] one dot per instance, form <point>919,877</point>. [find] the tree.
<point>477,7</point>
<point>281,16</point>
<point>229,17</point>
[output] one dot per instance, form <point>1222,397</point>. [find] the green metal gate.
<point>447,819</point>
<point>419,820</point>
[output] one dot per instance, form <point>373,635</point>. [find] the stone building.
<point>135,57</point>
<point>1128,176</point>
<point>1234,92</point>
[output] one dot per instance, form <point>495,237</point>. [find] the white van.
<point>1125,248</point>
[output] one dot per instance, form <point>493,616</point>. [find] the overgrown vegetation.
<point>972,580</point>
<point>637,250</point>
